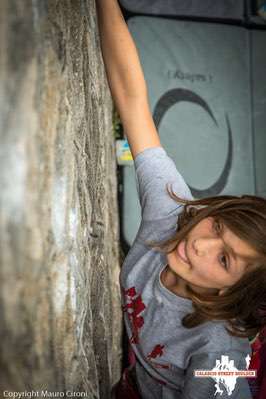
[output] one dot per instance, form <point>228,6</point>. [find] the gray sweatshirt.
<point>167,353</point>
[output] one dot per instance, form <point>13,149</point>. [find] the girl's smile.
<point>181,250</point>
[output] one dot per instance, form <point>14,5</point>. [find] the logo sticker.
<point>225,374</point>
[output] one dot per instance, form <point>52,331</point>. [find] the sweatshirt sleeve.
<point>223,387</point>
<point>154,170</point>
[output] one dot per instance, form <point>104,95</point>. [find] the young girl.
<point>194,281</point>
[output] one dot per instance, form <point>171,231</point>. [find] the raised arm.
<point>125,77</point>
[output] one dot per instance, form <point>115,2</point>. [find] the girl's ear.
<point>221,292</point>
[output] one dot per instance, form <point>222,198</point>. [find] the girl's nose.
<point>205,246</point>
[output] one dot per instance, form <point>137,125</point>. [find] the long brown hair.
<point>243,305</point>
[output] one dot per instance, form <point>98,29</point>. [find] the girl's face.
<point>209,259</point>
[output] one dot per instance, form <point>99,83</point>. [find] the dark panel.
<point>198,83</point>
<point>226,9</point>
<point>258,40</point>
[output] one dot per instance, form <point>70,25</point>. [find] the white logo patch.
<point>225,374</point>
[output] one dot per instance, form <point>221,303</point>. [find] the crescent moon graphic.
<point>175,96</point>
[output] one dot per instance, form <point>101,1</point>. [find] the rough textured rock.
<point>59,292</point>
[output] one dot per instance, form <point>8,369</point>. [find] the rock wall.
<point>60,306</point>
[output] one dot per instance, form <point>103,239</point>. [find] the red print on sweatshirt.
<point>157,351</point>
<point>133,308</point>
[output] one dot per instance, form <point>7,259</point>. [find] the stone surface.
<point>60,307</point>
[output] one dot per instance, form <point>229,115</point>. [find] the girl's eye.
<point>224,261</point>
